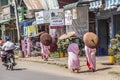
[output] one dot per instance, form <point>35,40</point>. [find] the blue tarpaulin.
<point>26,23</point>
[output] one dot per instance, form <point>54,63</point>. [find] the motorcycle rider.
<point>8,47</point>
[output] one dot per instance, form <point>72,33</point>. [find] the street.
<point>34,71</point>
<point>27,70</point>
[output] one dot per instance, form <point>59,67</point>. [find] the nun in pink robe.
<point>23,47</point>
<point>29,44</point>
<point>45,51</point>
<point>91,58</point>
<point>73,58</point>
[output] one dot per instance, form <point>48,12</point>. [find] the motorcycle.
<point>9,61</point>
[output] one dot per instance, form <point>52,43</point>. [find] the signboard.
<point>42,17</point>
<point>39,17</point>
<point>74,13</point>
<point>56,17</point>
<point>68,17</point>
<point>46,17</point>
<point>25,31</point>
<point>32,30</point>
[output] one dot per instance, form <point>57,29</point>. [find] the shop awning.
<point>5,21</point>
<point>33,4</point>
<point>27,22</point>
<point>76,4</point>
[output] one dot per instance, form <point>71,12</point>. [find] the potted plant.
<point>111,53</point>
<point>61,47</point>
<point>113,49</point>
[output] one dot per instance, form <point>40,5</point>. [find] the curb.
<point>48,62</point>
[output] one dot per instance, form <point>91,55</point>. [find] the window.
<point>3,2</point>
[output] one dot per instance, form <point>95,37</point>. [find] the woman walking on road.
<point>73,58</point>
<point>91,58</point>
<point>45,51</point>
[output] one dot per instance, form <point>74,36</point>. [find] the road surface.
<point>26,70</point>
<point>35,71</point>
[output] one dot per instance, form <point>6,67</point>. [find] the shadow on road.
<point>101,69</point>
<point>19,69</point>
<point>107,63</point>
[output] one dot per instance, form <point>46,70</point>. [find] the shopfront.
<point>107,23</point>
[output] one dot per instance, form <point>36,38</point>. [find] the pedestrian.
<point>23,45</point>
<point>29,44</point>
<point>44,51</point>
<point>73,58</point>
<point>91,58</point>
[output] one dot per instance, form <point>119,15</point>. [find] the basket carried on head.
<point>46,39</point>
<point>90,39</point>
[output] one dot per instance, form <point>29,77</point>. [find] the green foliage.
<point>63,44</point>
<point>115,48</point>
<point>117,59</point>
<point>111,51</point>
<point>54,55</point>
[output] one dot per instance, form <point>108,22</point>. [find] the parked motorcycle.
<point>35,51</point>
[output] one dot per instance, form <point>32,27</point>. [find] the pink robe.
<point>45,51</point>
<point>29,44</point>
<point>23,47</point>
<point>73,58</point>
<point>90,56</point>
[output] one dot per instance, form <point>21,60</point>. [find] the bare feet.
<point>73,70</point>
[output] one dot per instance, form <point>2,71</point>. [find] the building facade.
<point>107,21</point>
<point>7,20</point>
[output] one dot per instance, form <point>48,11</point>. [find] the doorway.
<point>104,35</point>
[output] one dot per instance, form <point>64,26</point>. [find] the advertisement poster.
<point>68,17</point>
<point>39,17</point>
<point>57,17</point>
<point>32,30</point>
<point>74,13</point>
<point>42,17</point>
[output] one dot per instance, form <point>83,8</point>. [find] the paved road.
<point>34,71</point>
<point>43,71</point>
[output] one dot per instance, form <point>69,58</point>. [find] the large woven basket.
<point>90,39</point>
<point>46,39</point>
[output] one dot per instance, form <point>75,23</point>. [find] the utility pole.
<point>17,21</point>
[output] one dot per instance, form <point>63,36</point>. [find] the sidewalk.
<point>63,61</point>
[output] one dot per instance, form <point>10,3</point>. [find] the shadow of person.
<point>101,69</point>
<point>19,69</point>
<point>87,71</point>
<point>107,63</point>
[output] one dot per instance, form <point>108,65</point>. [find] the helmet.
<point>7,38</point>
